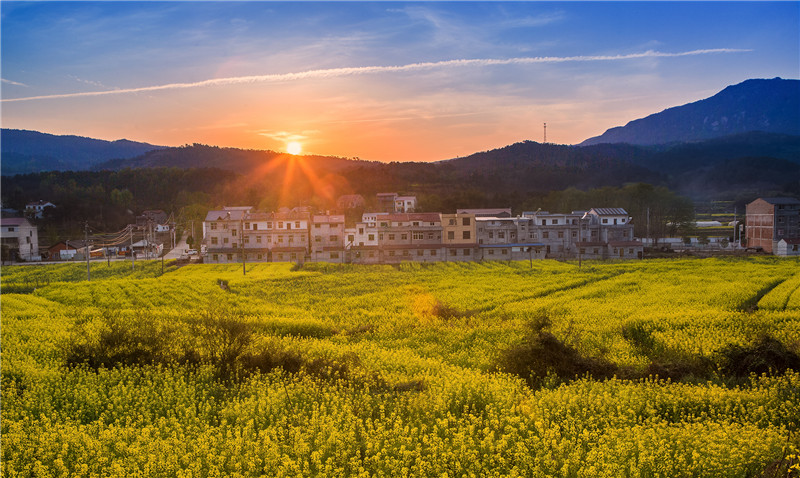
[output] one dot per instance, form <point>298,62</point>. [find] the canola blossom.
<point>354,370</point>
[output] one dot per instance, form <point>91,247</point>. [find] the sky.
<point>386,81</point>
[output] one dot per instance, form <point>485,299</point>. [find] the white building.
<point>20,239</point>
<point>36,209</point>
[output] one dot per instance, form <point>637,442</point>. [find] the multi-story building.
<point>771,219</point>
<point>236,234</point>
<point>459,236</point>
<point>393,202</point>
<point>361,242</point>
<point>410,237</point>
<point>327,238</point>
<point>20,239</point>
<point>222,234</point>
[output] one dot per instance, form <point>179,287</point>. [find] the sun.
<point>293,147</point>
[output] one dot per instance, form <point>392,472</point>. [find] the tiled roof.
<point>14,221</point>
<point>610,211</point>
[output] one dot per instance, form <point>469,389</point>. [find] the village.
<point>396,233</point>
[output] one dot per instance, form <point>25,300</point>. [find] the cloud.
<point>9,82</point>
<point>286,136</point>
<point>366,70</point>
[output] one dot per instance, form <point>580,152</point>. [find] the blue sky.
<point>260,74</point>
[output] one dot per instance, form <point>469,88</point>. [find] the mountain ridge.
<point>768,105</point>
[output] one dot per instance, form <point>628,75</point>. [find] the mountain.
<point>26,151</point>
<point>771,106</point>
<point>233,159</point>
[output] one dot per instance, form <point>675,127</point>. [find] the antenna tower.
<point>545,133</point>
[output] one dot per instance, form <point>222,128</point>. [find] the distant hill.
<point>26,151</point>
<point>771,106</point>
<point>233,159</point>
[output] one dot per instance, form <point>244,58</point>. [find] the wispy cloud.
<point>15,83</point>
<point>287,136</point>
<point>366,70</point>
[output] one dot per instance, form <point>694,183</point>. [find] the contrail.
<point>365,70</point>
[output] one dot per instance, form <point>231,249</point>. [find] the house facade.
<point>19,239</point>
<point>36,209</point>
<point>298,235</point>
<point>769,220</point>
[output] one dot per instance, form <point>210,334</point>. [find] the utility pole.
<point>86,243</point>
<point>241,244</point>
<point>545,134</point>
<point>133,254</point>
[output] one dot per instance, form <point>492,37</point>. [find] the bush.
<point>765,356</point>
<point>541,356</point>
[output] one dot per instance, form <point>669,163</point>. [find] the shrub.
<point>541,356</point>
<point>765,356</point>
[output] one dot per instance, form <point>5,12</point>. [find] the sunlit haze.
<point>376,80</point>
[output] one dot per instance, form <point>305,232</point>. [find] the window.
<point>605,221</point>
<point>297,224</point>
<point>561,234</point>
<point>224,240</point>
<point>361,230</point>
<point>391,237</point>
<point>418,236</point>
<point>371,254</point>
<point>255,226</point>
<point>225,225</point>
<point>544,222</point>
<point>391,253</point>
<point>259,257</point>
<point>430,235</point>
<point>380,236</point>
<point>491,252</point>
<point>596,250</point>
<point>555,221</point>
<point>317,238</point>
<point>420,252</point>
<point>214,240</point>
<point>451,222</point>
<point>258,239</point>
<point>213,226</point>
<point>416,223</point>
<point>465,221</point>
<point>280,224</point>
<point>545,235</point>
<point>453,252</point>
<point>269,239</point>
<point>501,235</point>
<point>247,239</point>
<point>451,235</point>
<point>233,233</point>
<point>491,235</point>
<point>630,251</point>
<point>334,238</point>
<point>466,252</point>
<point>269,225</point>
<point>334,255</point>
<point>433,224</point>
<point>433,252</point>
<point>371,237</point>
<point>280,256</point>
<point>229,256</point>
<point>575,234</point>
<point>534,235</point>
<point>384,224</point>
<point>465,235</point>
<point>288,225</point>
<point>583,250</point>
<point>403,237</point>
<point>235,245</point>
<point>615,220</point>
<point>280,238</point>
<point>351,237</point>
<point>504,251</point>
<point>215,256</point>
<point>293,256</point>
<point>405,252</point>
<point>317,226</point>
<point>247,225</point>
<point>291,239</point>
